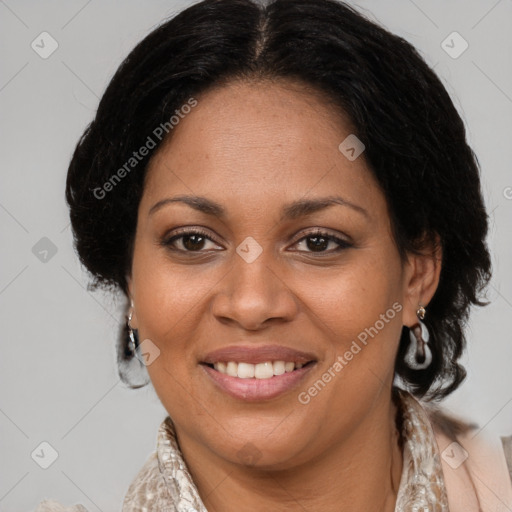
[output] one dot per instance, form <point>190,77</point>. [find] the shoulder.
<point>475,468</point>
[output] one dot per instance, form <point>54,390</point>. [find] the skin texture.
<point>254,147</point>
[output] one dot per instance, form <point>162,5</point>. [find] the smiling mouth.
<point>264,370</point>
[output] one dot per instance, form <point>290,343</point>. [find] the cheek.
<point>167,302</point>
<point>359,311</point>
<point>354,296</point>
<point>168,305</point>
<point>167,297</point>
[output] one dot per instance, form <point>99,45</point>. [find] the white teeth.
<point>289,367</point>
<point>245,370</point>
<point>278,367</point>
<point>232,369</point>
<point>264,370</point>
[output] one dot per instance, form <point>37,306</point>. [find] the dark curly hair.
<point>415,143</point>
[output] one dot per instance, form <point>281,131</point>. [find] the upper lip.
<point>257,354</point>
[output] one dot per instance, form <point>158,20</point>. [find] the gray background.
<point>58,373</point>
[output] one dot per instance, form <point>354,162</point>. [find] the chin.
<point>263,451</point>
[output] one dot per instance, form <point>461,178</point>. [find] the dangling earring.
<point>419,355</point>
<point>133,342</point>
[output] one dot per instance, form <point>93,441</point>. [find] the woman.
<point>266,187</point>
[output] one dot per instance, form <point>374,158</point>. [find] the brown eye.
<point>190,241</point>
<point>319,241</point>
<point>193,242</point>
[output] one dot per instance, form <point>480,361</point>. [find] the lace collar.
<point>422,487</point>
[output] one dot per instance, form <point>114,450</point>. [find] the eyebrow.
<point>290,211</point>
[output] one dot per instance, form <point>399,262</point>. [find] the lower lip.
<point>252,390</point>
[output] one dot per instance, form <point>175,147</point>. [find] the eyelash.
<point>343,244</point>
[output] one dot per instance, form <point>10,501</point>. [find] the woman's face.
<point>258,285</point>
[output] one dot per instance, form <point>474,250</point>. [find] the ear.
<point>421,278</point>
<point>131,300</point>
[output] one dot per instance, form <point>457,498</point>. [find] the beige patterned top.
<point>164,483</point>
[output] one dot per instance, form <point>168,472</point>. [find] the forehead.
<point>260,143</point>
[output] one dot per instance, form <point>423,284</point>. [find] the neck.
<point>360,472</point>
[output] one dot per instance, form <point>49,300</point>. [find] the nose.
<point>254,294</point>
